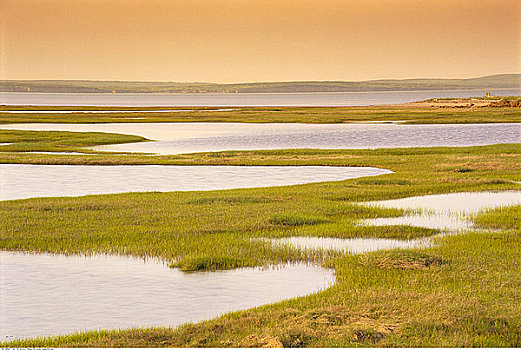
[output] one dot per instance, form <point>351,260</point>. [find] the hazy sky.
<point>258,40</point>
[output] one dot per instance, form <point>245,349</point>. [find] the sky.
<point>258,40</point>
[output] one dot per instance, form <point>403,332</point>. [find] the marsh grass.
<point>182,226</point>
<point>286,220</point>
<point>505,218</point>
<point>198,263</point>
<point>315,115</point>
<point>450,295</point>
<point>463,291</point>
<point>59,141</point>
<point>401,259</point>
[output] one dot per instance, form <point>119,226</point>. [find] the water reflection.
<point>243,99</point>
<point>350,245</point>
<point>114,111</point>
<point>18,181</point>
<point>449,212</point>
<point>49,295</point>
<point>175,138</point>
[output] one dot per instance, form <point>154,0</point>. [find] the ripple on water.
<point>27,181</point>
<point>175,138</point>
<point>49,295</point>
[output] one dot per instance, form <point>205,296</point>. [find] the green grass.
<point>198,263</point>
<point>464,291</point>
<point>408,114</point>
<point>59,141</point>
<point>500,219</point>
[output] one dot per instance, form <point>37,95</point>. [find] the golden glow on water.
<point>73,293</point>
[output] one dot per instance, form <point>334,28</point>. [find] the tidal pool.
<point>350,245</point>
<point>42,295</point>
<point>18,181</point>
<point>175,138</point>
<point>450,213</point>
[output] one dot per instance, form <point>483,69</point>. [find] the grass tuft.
<point>295,220</point>
<point>401,259</point>
<point>231,200</point>
<point>200,263</point>
<point>507,218</point>
<point>400,182</point>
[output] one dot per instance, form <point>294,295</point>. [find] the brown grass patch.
<point>401,259</point>
<point>261,341</point>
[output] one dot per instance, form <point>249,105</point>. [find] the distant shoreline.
<point>256,93</point>
<point>502,81</point>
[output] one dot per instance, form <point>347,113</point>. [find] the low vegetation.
<point>450,295</point>
<point>59,141</point>
<point>506,102</point>
<point>461,292</point>
<point>500,219</point>
<point>414,113</point>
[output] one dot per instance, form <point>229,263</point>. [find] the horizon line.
<point>267,81</point>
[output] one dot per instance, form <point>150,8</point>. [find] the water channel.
<point>18,181</point>
<point>328,99</point>
<point>175,138</point>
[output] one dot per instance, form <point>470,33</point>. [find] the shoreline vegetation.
<point>433,111</point>
<point>461,292</point>
<point>500,81</point>
<point>451,294</point>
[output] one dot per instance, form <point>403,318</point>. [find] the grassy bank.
<point>462,292</point>
<point>58,141</point>
<point>18,145</point>
<point>425,113</point>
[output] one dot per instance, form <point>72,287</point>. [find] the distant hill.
<point>487,82</point>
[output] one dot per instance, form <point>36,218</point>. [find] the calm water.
<point>350,245</point>
<point>50,295</point>
<point>117,111</point>
<point>264,99</point>
<point>448,212</point>
<point>467,203</point>
<point>19,181</point>
<point>174,138</point>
